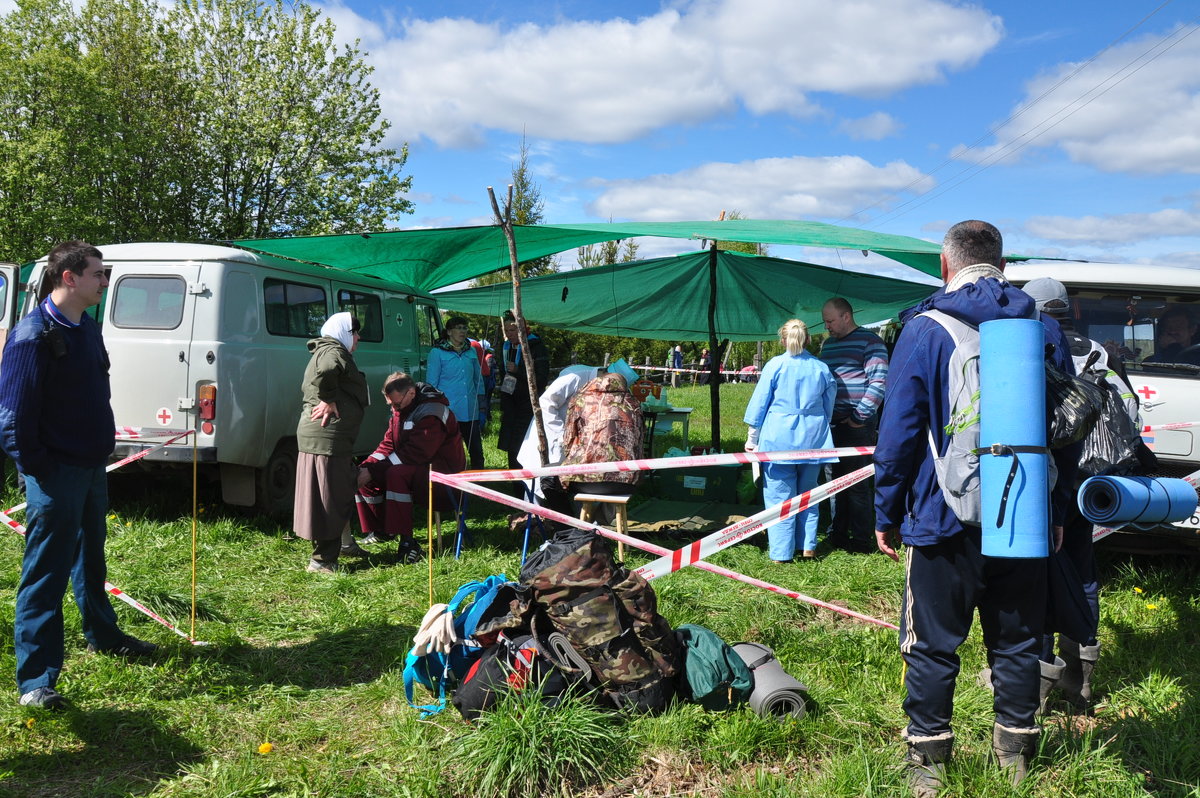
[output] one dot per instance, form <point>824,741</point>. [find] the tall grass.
<point>312,666</point>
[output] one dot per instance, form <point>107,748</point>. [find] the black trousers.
<point>853,508</point>
<point>944,584</point>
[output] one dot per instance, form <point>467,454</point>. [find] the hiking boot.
<point>42,698</point>
<point>1076,679</point>
<point>926,759</point>
<point>353,550</point>
<point>1014,748</point>
<point>838,540</point>
<point>318,567</point>
<point>410,551</point>
<point>377,537</point>
<point>127,646</point>
<point>1051,673</point>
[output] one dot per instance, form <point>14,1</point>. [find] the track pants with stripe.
<point>389,511</point>
<point>944,584</point>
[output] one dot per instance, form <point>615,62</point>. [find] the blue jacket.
<point>55,409</point>
<point>458,376</point>
<point>791,405</point>
<point>907,495</point>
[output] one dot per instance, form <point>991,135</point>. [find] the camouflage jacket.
<point>604,425</point>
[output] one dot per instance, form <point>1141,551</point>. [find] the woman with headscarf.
<point>790,410</point>
<point>335,399</point>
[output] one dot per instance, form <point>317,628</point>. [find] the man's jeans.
<point>65,539</point>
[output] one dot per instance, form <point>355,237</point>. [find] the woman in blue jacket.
<point>454,370</point>
<point>790,410</point>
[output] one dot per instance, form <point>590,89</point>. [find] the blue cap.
<point>619,366</point>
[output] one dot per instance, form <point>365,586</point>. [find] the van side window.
<point>428,329</point>
<point>368,310</point>
<point>154,303</point>
<point>294,309</point>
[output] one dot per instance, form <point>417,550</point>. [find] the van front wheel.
<point>277,481</point>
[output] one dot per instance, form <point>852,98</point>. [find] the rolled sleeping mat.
<point>776,694</point>
<point>1012,412</point>
<point>1137,500</point>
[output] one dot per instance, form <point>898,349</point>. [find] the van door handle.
<point>181,356</point>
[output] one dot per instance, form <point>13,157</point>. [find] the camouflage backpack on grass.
<point>609,615</point>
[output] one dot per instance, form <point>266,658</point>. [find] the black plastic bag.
<point>1073,404</point>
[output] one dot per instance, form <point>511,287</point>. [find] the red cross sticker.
<point>1146,391</point>
<point>163,415</point>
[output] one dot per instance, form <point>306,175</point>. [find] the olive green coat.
<point>331,376</point>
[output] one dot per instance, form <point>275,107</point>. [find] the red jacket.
<point>424,433</point>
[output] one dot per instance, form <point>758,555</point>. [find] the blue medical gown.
<point>791,406</point>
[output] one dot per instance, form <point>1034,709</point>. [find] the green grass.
<point>313,666</point>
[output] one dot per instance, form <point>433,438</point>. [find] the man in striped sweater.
<point>859,362</point>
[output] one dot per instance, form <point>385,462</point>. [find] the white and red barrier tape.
<point>118,464</point>
<point>735,533</point>
<point>1176,425</point>
<point>112,589</point>
<point>139,433</point>
<point>456,481</point>
<point>692,371</point>
<point>732,458</point>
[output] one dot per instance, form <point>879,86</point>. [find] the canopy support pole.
<point>714,362</point>
<point>505,222</point>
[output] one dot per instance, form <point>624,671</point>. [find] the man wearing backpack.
<point>946,575</point>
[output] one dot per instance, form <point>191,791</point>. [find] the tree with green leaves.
<point>129,120</point>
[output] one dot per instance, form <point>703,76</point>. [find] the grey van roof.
<point>153,252</point>
<point>1122,276</point>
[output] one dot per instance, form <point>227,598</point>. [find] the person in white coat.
<point>790,410</point>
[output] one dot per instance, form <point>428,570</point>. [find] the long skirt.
<point>325,490</point>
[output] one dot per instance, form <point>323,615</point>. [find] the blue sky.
<point>1074,126</point>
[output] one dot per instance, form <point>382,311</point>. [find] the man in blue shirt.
<point>55,364</point>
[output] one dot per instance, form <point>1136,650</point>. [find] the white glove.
<point>751,438</point>
<point>436,632</point>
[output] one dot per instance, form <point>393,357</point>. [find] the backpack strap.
<point>416,669</point>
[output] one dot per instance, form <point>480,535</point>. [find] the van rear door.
<point>148,331</point>
<point>10,273</point>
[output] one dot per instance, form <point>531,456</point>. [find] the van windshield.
<point>1152,333</point>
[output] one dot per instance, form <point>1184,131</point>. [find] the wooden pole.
<point>714,362</point>
<point>505,222</point>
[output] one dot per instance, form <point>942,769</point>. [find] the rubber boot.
<point>1076,681</point>
<point>927,758</point>
<point>1014,748</point>
<point>1051,677</point>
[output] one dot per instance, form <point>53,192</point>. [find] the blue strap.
<point>411,675</point>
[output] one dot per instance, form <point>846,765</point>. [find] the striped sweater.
<point>859,362</point>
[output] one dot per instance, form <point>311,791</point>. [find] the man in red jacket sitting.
<point>421,433</point>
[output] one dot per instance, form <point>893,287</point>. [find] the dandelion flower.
<point>29,722</point>
<point>1151,606</point>
<point>1137,590</point>
<point>266,748</point>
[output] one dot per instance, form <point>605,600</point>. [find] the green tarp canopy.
<point>667,298</point>
<point>430,259</point>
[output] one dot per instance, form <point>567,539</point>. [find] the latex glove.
<point>751,438</point>
<point>436,632</point>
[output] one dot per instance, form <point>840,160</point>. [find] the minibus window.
<point>1149,332</point>
<point>294,309</point>
<point>145,302</point>
<point>368,310</point>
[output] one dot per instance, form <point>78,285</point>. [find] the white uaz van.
<point>1151,315</point>
<point>212,338</point>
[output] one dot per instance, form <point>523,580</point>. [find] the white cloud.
<point>1135,109</point>
<point>1123,228</point>
<point>615,80</point>
<point>872,127</point>
<point>768,188</point>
